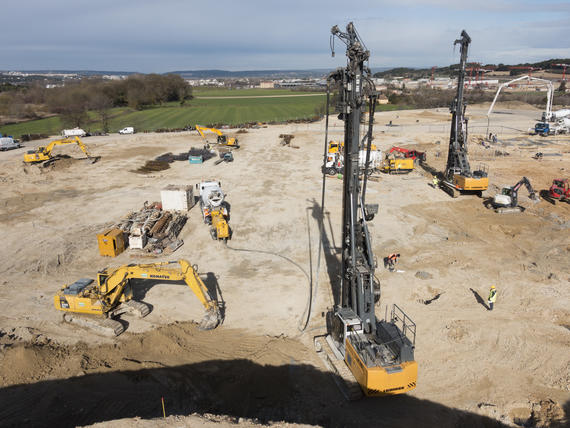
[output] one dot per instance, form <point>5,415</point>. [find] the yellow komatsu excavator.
<point>43,154</point>
<point>223,139</point>
<point>112,294</point>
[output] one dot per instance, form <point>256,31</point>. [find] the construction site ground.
<point>476,367</point>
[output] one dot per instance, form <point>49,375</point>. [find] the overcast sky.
<point>168,35</point>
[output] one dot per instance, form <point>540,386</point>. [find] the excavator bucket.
<point>211,320</point>
<point>94,159</point>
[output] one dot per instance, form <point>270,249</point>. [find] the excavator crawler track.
<point>342,376</point>
<point>106,326</point>
<point>140,309</point>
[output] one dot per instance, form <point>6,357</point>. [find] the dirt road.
<point>476,366</point>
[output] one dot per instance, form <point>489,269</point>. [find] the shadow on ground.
<point>235,388</point>
<point>479,299</point>
<point>329,248</point>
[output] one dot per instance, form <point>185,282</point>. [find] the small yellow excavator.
<point>42,155</point>
<point>112,295</point>
<point>223,139</point>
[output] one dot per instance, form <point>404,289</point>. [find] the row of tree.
<point>425,97</point>
<point>73,100</point>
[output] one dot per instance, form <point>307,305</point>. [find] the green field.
<point>196,111</point>
<point>222,92</point>
<point>264,108</point>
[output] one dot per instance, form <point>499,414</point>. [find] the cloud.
<point>144,35</point>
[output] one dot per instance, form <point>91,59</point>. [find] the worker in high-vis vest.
<point>492,297</point>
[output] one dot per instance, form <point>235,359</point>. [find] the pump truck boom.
<point>459,178</point>
<point>379,354</point>
<point>112,294</point>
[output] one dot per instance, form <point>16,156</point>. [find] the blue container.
<point>196,159</point>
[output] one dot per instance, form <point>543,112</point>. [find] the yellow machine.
<point>112,294</point>
<point>335,146</point>
<point>396,165</point>
<point>43,153</point>
<point>222,138</point>
<point>220,229</point>
<point>111,242</point>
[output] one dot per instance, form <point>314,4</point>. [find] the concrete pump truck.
<point>372,356</point>
<point>459,178</point>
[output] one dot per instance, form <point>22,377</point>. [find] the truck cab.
<point>542,128</point>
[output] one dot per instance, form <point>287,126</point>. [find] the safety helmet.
<point>492,286</point>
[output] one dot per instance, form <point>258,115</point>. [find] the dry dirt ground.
<point>476,368</point>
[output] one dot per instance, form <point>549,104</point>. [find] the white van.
<point>127,130</point>
<point>8,143</point>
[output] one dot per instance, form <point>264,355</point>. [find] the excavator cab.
<point>560,189</point>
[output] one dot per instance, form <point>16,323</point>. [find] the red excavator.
<point>414,154</point>
<point>560,189</point>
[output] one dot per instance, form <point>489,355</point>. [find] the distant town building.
<point>267,84</point>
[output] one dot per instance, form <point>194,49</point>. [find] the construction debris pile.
<point>153,230</point>
<point>286,140</point>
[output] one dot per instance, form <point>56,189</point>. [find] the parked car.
<point>8,143</point>
<point>127,130</point>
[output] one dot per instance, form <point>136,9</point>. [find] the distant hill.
<point>418,73</point>
<point>209,74</point>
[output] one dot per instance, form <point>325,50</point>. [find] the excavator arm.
<point>113,288</point>
<point>201,130</point>
<point>514,193</point>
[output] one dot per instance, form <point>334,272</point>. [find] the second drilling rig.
<point>459,178</point>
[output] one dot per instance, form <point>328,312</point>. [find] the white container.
<point>137,241</point>
<point>177,198</point>
<point>375,158</point>
<point>75,132</point>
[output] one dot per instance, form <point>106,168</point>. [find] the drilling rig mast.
<point>459,177</point>
<point>378,353</point>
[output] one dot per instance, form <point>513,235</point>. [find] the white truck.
<point>127,130</point>
<point>75,132</point>
<point>211,197</point>
<point>8,143</point>
<point>335,162</point>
